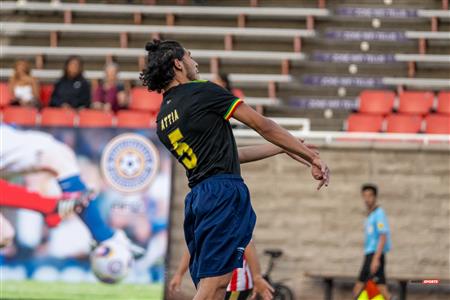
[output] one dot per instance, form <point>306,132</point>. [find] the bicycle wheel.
<point>282,292</point>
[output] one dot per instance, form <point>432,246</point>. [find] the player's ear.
<point>178,65</point>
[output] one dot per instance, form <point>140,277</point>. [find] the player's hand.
<point>320,171</point>
<point>175,283</point>
<point>374,265</point>
<point>262,289</point>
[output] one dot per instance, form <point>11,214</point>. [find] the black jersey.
<point>193,125</point>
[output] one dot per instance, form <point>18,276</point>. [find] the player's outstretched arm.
<point>261,287</point>
<point>175,282</point>
<point>279,136</point>
<point>258,152</point>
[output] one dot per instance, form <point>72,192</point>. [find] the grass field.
<point>32,290</point>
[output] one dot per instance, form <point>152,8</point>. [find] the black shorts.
<point>378,277</point>
<point>243,295</point>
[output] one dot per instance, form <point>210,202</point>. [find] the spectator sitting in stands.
<point>223,80</point>
<point>72,89</point>
<point>110,94</point>
<point>22,86</point>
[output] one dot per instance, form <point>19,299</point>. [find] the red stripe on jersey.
<point>233,283</point>
<point>246,275</point>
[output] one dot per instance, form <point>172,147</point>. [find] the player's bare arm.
<point>175,282</point>
<point>258,152</point>
<point>375,264</point>
<point>279,136</point>
<point>261,287</point>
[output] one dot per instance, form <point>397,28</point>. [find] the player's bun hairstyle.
<point>370,187</point>
<point>159,71</point>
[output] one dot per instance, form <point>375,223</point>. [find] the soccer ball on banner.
<point>111,261</point>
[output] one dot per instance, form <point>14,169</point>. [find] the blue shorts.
<point>218,225</point>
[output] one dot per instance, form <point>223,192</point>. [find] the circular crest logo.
<point>129,162</point>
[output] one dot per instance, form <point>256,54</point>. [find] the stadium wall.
<point>323,231</point>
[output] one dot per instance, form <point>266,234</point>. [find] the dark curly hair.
<point>370,187</point>
<point>160,61</point>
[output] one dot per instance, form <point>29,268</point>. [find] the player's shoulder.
<point>201,85</point>
<point>380,211</point>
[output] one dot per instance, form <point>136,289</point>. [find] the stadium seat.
<point>238,93</point>
<point>95,118</point>
<point>142,99</point>
<point>437,124</point>
<point>402,123</point>
<point>46,94</point>
<point>57,117</point>
<point>376,102</point>
<point>364,123</point>
<point>135,119</point>
<point>5,96</point>
<point>443,106</point>
<point>417,103</point>
<point>20,115</point>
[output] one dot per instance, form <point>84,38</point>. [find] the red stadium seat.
<point>417,103</point>
<point>142,99</point>
<point>400,123</point>
<point>238,93</point>
<point>57,117</point>
<point>20,115</point>
<point>95,118</point>
<point>364,123</point>
<point>5,96</point>
<point>46,94</point>
<point>376,102</point>
<point>443,106</point>
<point>135,119</point>
<point>437,124</point>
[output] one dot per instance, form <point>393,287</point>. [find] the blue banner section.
<point>129,173</point>
<point>323,103</point>
<point>356,35</point>
<point>371,12</point>
<point>323,80</point>
<point>353,57</point>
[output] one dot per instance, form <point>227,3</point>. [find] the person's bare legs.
<point>213,288</point>
<point>384,291</point>
<point>357,289</point>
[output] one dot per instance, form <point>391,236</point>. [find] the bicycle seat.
<point>273,252</point>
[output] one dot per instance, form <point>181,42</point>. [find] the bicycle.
<point>282,292</point>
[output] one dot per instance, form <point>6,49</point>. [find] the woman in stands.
<point>22,86</point>
<point>111,94</point>
<point>72,89</point>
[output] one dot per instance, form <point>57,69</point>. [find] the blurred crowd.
<point>72,89</point>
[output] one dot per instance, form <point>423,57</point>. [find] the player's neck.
<point>176,81</point>
<point>371,209</point>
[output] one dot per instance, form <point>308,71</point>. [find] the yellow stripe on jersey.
<point>232,108</point>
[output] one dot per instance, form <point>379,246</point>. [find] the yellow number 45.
<point>183,149</point>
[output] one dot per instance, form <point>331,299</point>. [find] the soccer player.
<point>29,151</point>
<point>377,244</point>
<point>193,125</point>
